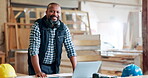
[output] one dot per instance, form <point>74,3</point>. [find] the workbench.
<point>68,75</point>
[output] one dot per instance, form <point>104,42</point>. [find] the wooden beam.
<point>16,33</point>
<point>88,23</point>
<point>18,14</point>
<point>86,42</point>
<point>17,9</point>
<point>12,24</point>
<point>12,17</point>
<point>114,3</point>
<point>89,58</point>
<point>6,38</point>
<point>145,34</point>
<point>72,11</point>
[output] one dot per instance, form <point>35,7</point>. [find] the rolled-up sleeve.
<point>34,40</point>
<point>69,45</point>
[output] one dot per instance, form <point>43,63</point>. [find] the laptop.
<point>86,69</point>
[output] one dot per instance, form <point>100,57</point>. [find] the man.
<point>46,39</point>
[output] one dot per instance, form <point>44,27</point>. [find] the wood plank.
<point>17,9</point>
<point>89,23</point>
<point>6,38</point>
<point>86,42</point>
<point>145,34</point>
<point>65,62</point>
<point>86,37</point>
<point>112,68</point>
<point>12,24</point>
<point>84,52</point>
<point>77,32</point>
<point>72,11</point>
<point>27,16</point>
<point>12,38</point>
<point>112,72</point>
<point>18,14</point>
<point>89,58</point>
<point>16,33</point>
<point>12,17</point>
<point>125,56</point>
<point>23,36</point>
<point>119,59</point>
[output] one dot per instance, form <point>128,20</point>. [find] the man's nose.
<point>55,13</point>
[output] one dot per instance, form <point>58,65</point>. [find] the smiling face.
<point>53,12</point>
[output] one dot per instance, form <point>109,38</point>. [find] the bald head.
<point>51,5</point>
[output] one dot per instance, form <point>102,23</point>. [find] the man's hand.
<point>40,74</point>
<point>36,66</point>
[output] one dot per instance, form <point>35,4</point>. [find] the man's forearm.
<point>35,63</point>
<point>73,61</point>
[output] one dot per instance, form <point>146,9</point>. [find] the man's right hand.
<point>36,66</point>
<point>40,74</point>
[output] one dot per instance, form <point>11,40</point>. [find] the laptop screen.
<point>86,69</point>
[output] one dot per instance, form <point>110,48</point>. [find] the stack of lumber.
<point>85,45</point>
<point>117,60</point>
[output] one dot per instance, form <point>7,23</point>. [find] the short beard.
<point>51,21</point>
<point>50,17</point>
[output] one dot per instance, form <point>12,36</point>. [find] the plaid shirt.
<point>50,53</point>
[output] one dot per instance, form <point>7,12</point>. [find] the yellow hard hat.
<point>6,70</point>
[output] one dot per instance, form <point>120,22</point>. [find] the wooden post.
<point>6,39</point>
<point>16,33</point>
<point>145,34</point>
<point>89,24</point>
